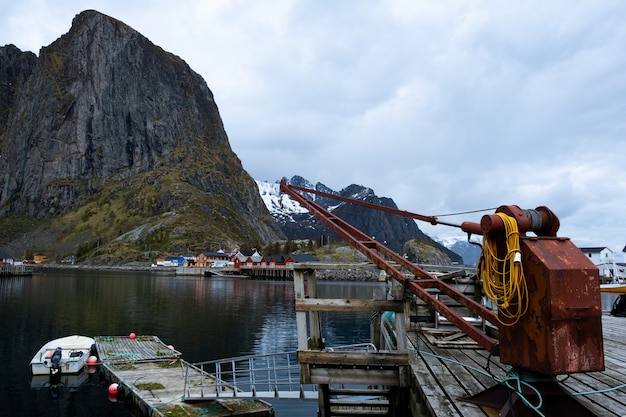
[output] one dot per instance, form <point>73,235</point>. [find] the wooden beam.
<point>333,304</point>
<point>456,274</point>
<point>388,377</point>
<point>354,358</point>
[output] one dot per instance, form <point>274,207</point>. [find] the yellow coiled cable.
<point>503,278</point>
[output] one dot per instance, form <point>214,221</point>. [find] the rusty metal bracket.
<point>552,398</point>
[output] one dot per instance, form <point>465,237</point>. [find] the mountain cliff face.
<point>15,68</point>
<point>109,140</point>
<point>394,231</point>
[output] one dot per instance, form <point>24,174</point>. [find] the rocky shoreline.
<point>357,274</point>
<point>128,268</point>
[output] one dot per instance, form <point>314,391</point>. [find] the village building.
<point>210,259</point>
<point>6,258</point>
<point>170,261</point>
<point>604,259</point>
<point>278,266</point>
<point>598,255</point>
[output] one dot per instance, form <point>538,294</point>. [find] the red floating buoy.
<point>132,335</point>
<point>92,360</point>
<point>113,389</point>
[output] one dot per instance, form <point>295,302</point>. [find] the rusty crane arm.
<point>383,257</point>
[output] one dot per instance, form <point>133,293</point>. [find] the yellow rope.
<point>503,278</point>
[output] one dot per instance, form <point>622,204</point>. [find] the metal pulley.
<point>542,221</point>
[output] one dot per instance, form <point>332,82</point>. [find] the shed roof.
<point>305,257</point>
<point>594,249</point>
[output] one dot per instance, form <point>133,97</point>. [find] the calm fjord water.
<point>204,318</point>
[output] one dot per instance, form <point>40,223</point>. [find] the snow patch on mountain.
<point>276,202</point>
<point>459,244</point>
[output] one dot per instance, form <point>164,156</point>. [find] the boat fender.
<point>113,389</point>
<point>619,306</point>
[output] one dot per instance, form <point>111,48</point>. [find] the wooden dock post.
<point>329,368</point>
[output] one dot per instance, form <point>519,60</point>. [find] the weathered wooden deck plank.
<point>445,385</point>
<point>469,380</point>
<point>430,396</point>
<point>479,380</point>
<point>599,403</point>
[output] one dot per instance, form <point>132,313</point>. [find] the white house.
<point>255,256</point>
<point>599,255</point>
<point>6,258</point>
<point>604,259</point>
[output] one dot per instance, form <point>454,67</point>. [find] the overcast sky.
<point>446,106</point>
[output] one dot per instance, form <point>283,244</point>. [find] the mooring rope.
<point>503,278</point>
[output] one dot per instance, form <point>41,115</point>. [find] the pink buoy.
<point>132,335</point>
<point>92,360</point>
<point>171,347</point>
<point>113,389</point>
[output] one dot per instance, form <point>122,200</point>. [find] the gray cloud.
<point>443,107</point>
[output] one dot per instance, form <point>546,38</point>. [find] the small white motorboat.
<point>67,355</point>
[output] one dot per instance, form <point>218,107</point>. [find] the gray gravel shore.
<point>356,274</point>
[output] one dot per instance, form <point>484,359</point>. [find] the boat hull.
<point>74,351</point>
<point>613,288</point>
<point>66,380</point>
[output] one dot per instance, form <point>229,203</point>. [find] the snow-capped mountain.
<point>296,222</point>
<point>278,204</point>
<point>468,251</point>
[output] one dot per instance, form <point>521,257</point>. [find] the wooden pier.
<point>442,376</point>
<point>15,270</point>
<point>151,378</point>
<point>447,369</point>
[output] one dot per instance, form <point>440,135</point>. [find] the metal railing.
<point>274,375</point>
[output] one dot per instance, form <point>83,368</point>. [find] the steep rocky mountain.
<point>113,148</point>
<point>393,230</point>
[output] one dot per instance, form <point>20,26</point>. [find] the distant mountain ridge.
<point>392,230</point>
<point>470,252</point>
